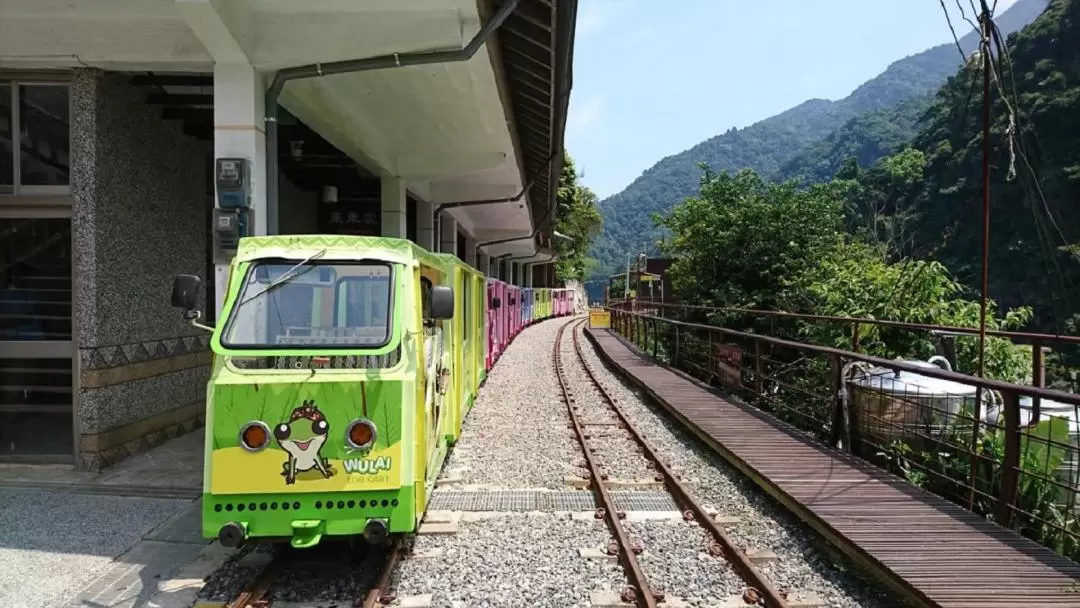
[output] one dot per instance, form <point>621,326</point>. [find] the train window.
<point>425,298</point>
<point>344,305</point>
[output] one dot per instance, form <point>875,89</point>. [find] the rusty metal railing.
<point>981,443</point>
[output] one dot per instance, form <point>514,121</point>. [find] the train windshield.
<point>311,304</point>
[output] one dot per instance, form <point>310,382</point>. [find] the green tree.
<point>577,217</point>
<point>743,239</point>
<point>747,243</point>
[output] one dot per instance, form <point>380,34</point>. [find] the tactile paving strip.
<point>539,500</point>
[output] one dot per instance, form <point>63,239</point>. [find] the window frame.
<point>230,319</point>
<point>17,192</point>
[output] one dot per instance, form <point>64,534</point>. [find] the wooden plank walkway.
<point>931,551</point>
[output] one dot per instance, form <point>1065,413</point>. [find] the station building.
<point>124,123</point>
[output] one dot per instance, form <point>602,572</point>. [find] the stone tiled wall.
<point>139,218</point>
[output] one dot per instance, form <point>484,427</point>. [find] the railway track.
<point>256,592</point>
<point>759,591</point>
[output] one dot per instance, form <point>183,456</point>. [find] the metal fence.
<point>1007,451</point>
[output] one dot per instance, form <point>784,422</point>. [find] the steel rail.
<point>760,587</point>
<point>377,595</point>
<point>641,590</point>
<point>257,589</point>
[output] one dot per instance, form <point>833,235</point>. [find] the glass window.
<point>44,134</point>
<point>35,283</point>
<point>7,151</point>
<point>289,305</point>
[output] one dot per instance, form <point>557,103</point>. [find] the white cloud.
<point>586,113</point>
<point>591,18</point>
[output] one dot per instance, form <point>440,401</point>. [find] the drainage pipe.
<point>315,70</point>
<point>438,208</point>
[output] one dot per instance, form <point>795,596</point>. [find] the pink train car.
<point>497,321</point>
<point>507,313</point>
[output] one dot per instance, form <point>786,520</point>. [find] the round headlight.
<point>255,436</point>
<point>361,434</point>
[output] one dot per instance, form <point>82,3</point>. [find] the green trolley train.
<point>343,369</point>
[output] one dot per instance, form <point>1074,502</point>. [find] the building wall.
<point>138,218</point>
<point>299,209</point>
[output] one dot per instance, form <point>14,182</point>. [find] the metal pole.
<point>984,23</point>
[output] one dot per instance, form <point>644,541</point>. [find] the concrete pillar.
<point>425,225</point>
<point>447,234</point>
<point>470,252</point>
<point>529,275</point>
<point>394,213</point>
<point>239,116</point>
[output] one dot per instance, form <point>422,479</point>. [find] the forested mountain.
<point>776,146</point>
<point>866,138</point>
<point>1035,224</point>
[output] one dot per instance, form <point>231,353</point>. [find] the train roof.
<point>338,247</point>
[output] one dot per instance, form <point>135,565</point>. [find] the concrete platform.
<point>112,539</point>
<point>173,469</point>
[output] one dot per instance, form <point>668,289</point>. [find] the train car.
<point>498,316</point>
<point>490,331</point>
<point>468,333</point>
<point>513,293</point>
<point>543,300</point>
<point>505,317</point>
<point>527,307</point>
<point>343,369</point>
<point>560,302</point>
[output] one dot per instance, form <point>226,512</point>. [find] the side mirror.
<point>496,303</point>
<point>185,291</point>
<point>442,302</point>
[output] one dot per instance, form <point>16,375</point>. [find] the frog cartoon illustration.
<point>302,437</point>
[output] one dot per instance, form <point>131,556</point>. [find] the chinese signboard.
<point>361,218</point>
<point>599,319</point>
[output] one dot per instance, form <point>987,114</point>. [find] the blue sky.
<point>654,77</point>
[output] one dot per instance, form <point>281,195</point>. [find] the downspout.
<point>521,238</point>
<point>394,60</point>
<point>438,208</point>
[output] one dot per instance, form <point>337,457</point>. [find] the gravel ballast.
<point>617,454</point>
<point>516,435</point>
<point>800,567</point>
<point>512,560</point>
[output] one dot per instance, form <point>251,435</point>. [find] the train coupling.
<point>306,533</point>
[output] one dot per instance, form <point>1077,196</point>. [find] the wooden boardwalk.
<point>932,552</point>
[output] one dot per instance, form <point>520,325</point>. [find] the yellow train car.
<point>468,334</point>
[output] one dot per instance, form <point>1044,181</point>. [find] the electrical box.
<point>232,181</point>
<point>230,225</point>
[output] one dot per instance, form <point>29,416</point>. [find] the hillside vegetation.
<point>901,240</point>
<point>808,141</point>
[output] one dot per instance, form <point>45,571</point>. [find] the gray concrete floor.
<point>176,465</point>
<point>71,539</point>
